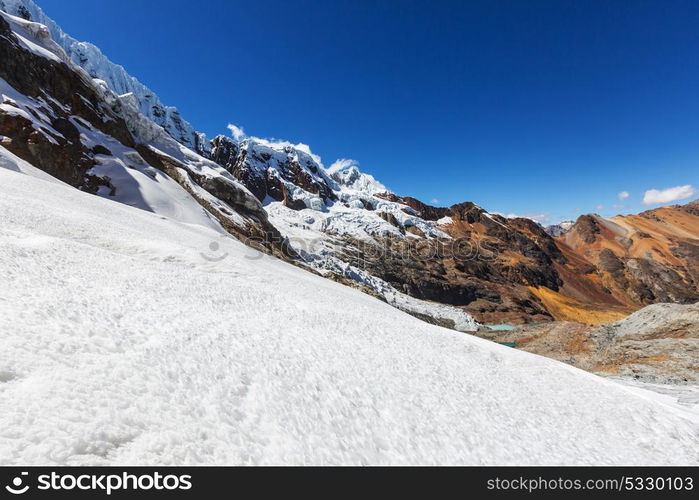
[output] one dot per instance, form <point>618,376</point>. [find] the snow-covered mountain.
<point>77,128</point>
<point>560,228</point>
<point>91,59</point>
<point>327,214</point>
<point>123,345</point>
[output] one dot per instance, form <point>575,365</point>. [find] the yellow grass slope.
<point>564,308</point>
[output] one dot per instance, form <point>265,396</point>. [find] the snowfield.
<point>130,338</point>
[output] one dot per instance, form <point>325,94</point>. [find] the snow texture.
<point>132,339</point>
<point>138,184</point>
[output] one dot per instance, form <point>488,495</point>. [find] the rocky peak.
<point>692,207</point>
<point>347,175</point>
<point>275,170</point>
<point>587,227</point>
<point>467,212</point>
<point>224,151</point>
<point>559,229</point>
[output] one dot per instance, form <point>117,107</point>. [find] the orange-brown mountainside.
<point>511,270</point>
<point>493,267</point>
<point>486,268</point>
<point>498,269</point>
<point>638,259</point>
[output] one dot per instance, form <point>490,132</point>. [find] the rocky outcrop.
<point>559,229</point>
<point>659,343</point>
<point>53,88</point>
<point>279,172</point>
<point>587,227</point>
<point>417,207</point>
<point>692,208</point>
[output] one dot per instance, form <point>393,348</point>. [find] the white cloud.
<point>540,218</point>
<point>237,132</point>
<point>664,196</point>
<point>599,207</point>
<point>623,195</point>
<point>342,164</point>
<point>434,201</point>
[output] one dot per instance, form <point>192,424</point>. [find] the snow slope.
<point>131,339</point>
<point>138,184</point>
<point>9,161</point>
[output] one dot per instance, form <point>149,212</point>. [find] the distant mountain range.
<point>560,228</point>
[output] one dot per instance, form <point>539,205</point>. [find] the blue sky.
<point>536,107</point>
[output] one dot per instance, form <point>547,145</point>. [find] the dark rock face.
<point>692,208</point>
<point>421,209</point>
<point>610,262</point>
<point>523,253</point>
<point>36,77</point>
<point>688,251</point>
<point>24,13</point>
<point>588,227</point>
<point>653,282</point>
<point>390,218</point>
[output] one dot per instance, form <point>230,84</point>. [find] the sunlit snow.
<point>129,338</point>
